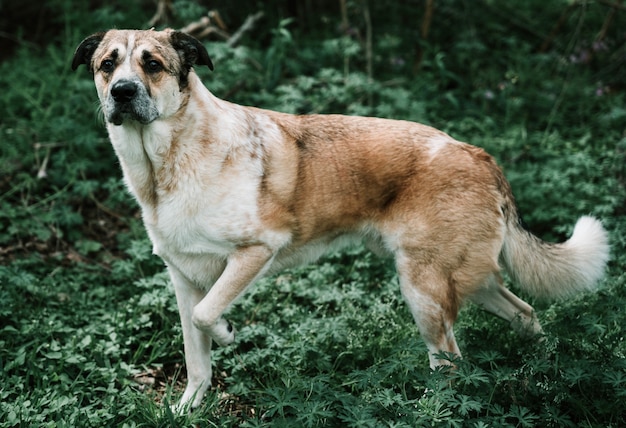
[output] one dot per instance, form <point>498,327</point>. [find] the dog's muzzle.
<point>129,99</point>
<point>124,91</point>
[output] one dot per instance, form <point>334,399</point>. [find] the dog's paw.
<point>191,399</point>
<point>222,332</point>
<point>527,326</point>
<point>181,408</point>
<point>186,404</point>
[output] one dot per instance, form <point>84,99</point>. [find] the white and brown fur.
<point>231,193</point>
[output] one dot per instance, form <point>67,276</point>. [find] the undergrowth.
<point>89,331</point>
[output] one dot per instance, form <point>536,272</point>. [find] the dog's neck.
<point>151,154</point>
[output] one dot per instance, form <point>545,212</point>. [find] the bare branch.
<point>429,8</point>
<point>248,25</point>
<point>213,24</point>
<point>204,27</point>
<point>368,45</point>
<point>164,13</point>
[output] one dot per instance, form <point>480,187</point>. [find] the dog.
<point>230,194</point>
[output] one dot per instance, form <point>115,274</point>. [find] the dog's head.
<point>140,75</point>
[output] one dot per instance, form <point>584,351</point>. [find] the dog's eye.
<point>154,66</point>
<point>107,65</point>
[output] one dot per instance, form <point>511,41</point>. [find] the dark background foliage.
<point>89,334</point>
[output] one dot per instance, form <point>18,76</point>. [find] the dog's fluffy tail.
<point>556,271</point>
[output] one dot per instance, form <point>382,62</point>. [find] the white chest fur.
<point>206,218</point>
<point>198,206</point>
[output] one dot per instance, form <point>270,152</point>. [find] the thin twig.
<point>165,9</point>
<point>345,25</point>
<point>614,5</point>
<point>607,22</point>
<point>206,26</point>
<point>424,31</point>
<point>42,171</point>
<point>17,40</point>
<point>248,25</point>
<point>368,48</point>
<point>557,27</point>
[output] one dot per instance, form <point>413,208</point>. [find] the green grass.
<point>89,331</point>
<point>329,344</point>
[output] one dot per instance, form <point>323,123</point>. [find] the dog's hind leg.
<point>428,296</point>
<point>499,300</point>
<point>197,343</point>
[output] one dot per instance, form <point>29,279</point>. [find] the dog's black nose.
<point>124,91</point>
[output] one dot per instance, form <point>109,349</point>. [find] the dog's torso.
<point>216,177</point>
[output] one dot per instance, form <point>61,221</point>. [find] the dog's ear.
<point>84,51</point>
<point>190,49</point>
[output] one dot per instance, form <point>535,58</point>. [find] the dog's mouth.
<point>129,100</point>
<point>126,112</point>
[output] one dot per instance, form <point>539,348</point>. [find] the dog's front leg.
<point>243,267</point>
<point>197,343</point>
